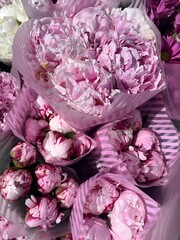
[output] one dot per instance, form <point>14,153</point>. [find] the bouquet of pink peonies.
<point>34,121</point>
<point>144,147</point>
<point>47,192</point>
<point>110,207</point>
<point>98,70</point>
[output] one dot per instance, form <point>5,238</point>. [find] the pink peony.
<point>4,224</point>
<point>57,124</point>
<point>101,198</point>
<point>40,109</point>
<point>49,177</point>
<point>120,136</point>
<point>95,55</point>
<point>35,130</point>
<point>152,168</point>
<point>8,92</point>
<point>97,229</point>
<point>132,162</point>
<point>66,192</point>
<point>24,155</point>
<point>55,148</point>
<point>127,217</point>
<point>15,184</point>
<point>42,212</point>
<point>146,140</point>
<point>81,145</point>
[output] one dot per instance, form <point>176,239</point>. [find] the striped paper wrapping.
<point>121,106</point>
<point>76,219</point>
<point>156,118</point>
<point>20,112</point>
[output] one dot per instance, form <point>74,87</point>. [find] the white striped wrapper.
<point>20,112</point>
<point>76,219</point>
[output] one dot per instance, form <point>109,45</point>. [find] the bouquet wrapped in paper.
<point>91,71</point>
<point>34,121</point>
<point>36,197</point>
<point>110,207</point>
<point>144,147</point>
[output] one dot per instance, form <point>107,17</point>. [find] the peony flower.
<point>127,217</point>
<point>8,91</point>
<point>15,184</point>
<point>55,148</point>
<point>66,192</point>
<point>120,136</point>
<point>97,229</point>
<point>57,124</point>
<point>4,223</point>
<point>89,62</point>
<point>101,199</point>
<point>40,109</point>
<point>24,155</point>
<point>121,132</point>
<point>146,140</point>
<point>42,212</point>
<point>152,168</point>
<point>35,130</point>
<point>81,145</point>
<point>132,162</point>
<point>48,177</point>
<point>12,14</point>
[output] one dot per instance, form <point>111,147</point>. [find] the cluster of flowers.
<point>123,209</point>
<point>166,16</point>
<point>57,141</point>
<point>53,188</point>
<point>88,63</point>
<point>9,89</point>
<point>139,148</point>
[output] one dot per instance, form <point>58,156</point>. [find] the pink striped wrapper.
<point>156,118</point>
<point>15,211</point>
<point>152,207</point>
<point>19,113</point>
<point>121,106</point>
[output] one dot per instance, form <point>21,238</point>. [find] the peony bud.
<point>146,140</point>
<point>81,145</point>
<point>15,184</point>
<point>57,124</point>
<point>132,161</point>
<point>101,198</point>
<point>40,109</point>
<point>66,193</point>
<point>35,130</point>
<point>152,168</point>
<point>120,136</point>
<point>42,212</point>
<point>55,148</point>
<point>127,216</point>
<point>97,229</point>
<point>24,155</point>
<point>49,177</point>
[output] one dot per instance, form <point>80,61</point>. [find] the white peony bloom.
<point>11,16</point>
